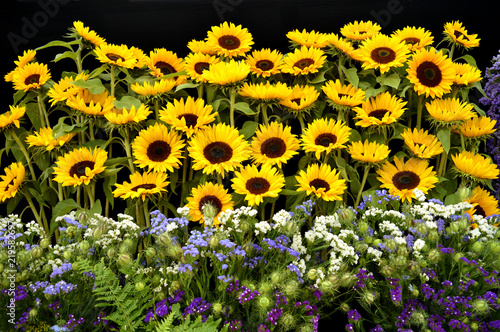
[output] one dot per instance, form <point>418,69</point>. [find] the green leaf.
<point>93,85</point>
<point>109,181</point>
<point>289,192</point>
<point>468,58</point>
<point>444,136</point>
<point>96,209</point>
<point>392,80</point>
<point>127,102</point>
<point>352,75</point>
<point>187,86</point>
<point>244,107</point>
<point>57,43</point>
<point>63,207</point>
<point>65,55</point>
<point>248,129</point>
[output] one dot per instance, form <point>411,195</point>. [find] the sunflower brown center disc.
<point>383,55</point>
<point>411,40</point>
<point>165,68</point>
<point>218,152</point>
<point>147,186</point>
<point>229,42</point>
<point>78,169</point>
<point>273,147</point>
<point>303,63</point>
<point>325,139</point>
<point>158,151</point>
<point>257,186</point>
<point>264,65</point>
<point>190,119</point>
<point>210,199</point>
<point>32,79</point>
<point>319,183</point>
<point>405,180</point>
<point>114,57</point>
<point>200,67</point>
<point>429,74</point>
<point>379,114</point>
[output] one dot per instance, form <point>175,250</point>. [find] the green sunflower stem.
<point>200,90</point>
<point>157,109</point>
<point>128,151</point>
<point>420,106</point>
<point>25,153</point>
<point>112,79</point>
<point>90,190</point>
<point>339,66</point>
<point>302,124</point>
<point>462,141</point>
<point>265,119</point>
<point>78,59</point>
<point>44,117</point>
<point>38,217</point>
<point>91,129</point>
<point>146,213</point>
<point>232,97</point>
<point>363,182</point>
<point>139,214</point>
<point>184,172</point>
<point>442,165</point>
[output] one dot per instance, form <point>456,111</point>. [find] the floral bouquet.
<point>243,180</point>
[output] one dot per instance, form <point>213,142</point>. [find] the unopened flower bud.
<point>75,266</point>
<point>214,242</point>
<point>312,274</point>
<point>150,252</point>
<point>464,193</point>
<point>156,280</point>
<point>128,246</point>
<point>477,247</point>
<point>99,231</point>
<point>434,256</point>
<point>288,321</point>
<point>421,228</point>
<point>495,247</point>
<point>464,225</point>
<point>345,307</point>
<point>481,306</point>
<point>47,269</point>
<point>474,326</point>
<point>369,297</point>
<point>71,231</point>
<point>265,288</point>
<point>400,261</point>
<point>175,285</point>
<point>217,308</point>
<point>33,313</point>
<point>111,252</point>
<point>36,252</point>
<point>376,242</point>
<point>44,243</point>
<point>209,211</point>
<point>161,296</point>
<point>84,246</point>
<point>139,286</point>
<point>386,270</point>
<point>67,255</point>
<point>264,302</point>
<point>455,227</point>
<point>363,226</point>
<point>326,286</point>
<point>414,267</point>
<point>347,215</point>
<point>123,259</point>
<point>433,235</point>
<point>415,292</point>
<point>275,278</point>
<point>2,267</point>
<point>346,279</point>
<point>164,239</point>
<point>391,244</point>
<point>292,288</point>
<point>457,257</point>
<point>368,239</point>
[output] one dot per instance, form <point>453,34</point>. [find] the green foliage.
<point>210,325</point>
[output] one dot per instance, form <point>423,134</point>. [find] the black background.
<point>149,24</point>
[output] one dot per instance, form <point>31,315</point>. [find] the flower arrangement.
<point>242,189</point>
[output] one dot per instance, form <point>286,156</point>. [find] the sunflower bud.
<point>44,243</point>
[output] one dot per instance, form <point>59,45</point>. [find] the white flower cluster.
<point>388,227</point>
<point>320,228</point>
<point>419,195</point>
<point>428,210</point>
<point>418,245</point>
<point>343,249</point>
<point>234,216</point>
<point>113,232</point>
<point>377,254</point>
<point>297,243</point>
<point>33,228</point>
<point>262,227</point>
<point>484,229</point>
<point>281,219</point>
<point>183,212</point>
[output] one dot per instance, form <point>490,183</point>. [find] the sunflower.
<point>142,185</point>
<point>158,149</point>
<point>309,39</point>
<point>325,135</point>
<point>117,55</point>
<point>431,72</point>
<point>31,76</point>
<point>162,62</point>
<point>227,73</point>
<point>456,34</point>
<point>402,178</point>
<point>342,97</point>
<point>230,40</point>
<point>449,111</point>
<point>478,127</point>
<point>383,52</point>
<point>274,144</point>
<point>257,184</point>
<point>208,193</point>
<point>341,46</point>
<point>45,138</point>
<point>360,30</point>
<point>22,60</point>
<point>368,152</point>
<point>148,89</point>
<point>301,99</point>
<point>141,57</point>
<point>484,204</point>
<point>381,110</point>
<point>321,181</point>
<point>201,46</point>
<point>475,166</point>
<point>466,74</point>
<point>132,115</point>
<point>219,148</point>
<point>11,181</point>
<point>196,63</point>
<point>266,93</point>
<point>89,36</point>
<point>303,61</point>
<point>91,104</point>
<point>79,166</point>
<point>64,89</point>
<point>415,38</point>
<point>421,143</point>
<point>265,62</point>
<point>12,116</point>
<point>188,116</point>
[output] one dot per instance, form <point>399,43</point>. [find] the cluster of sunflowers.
<point>338,116</point>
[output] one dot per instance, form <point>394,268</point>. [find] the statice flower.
<point>197,306</point>
<point>246,295</point>
<point>273,315</point>
<point>353,315</point>
<point>61,270</point>
<point>58,288</point>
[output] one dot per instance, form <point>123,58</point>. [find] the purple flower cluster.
<point>280,244</point>
<point>58,288</point>
<point>362,277</point>
<point>246,295</point>
<point>73,322</point>
<point>353,315</point>
<point>273,315</point>
<point>408,309</point>
<point>197,306</point>
<point>19,293</point>
<point>65,267</point>
<point>159,223</point>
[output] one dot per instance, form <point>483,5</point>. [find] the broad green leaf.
<point>93,85</point>
<point>392,80</point>
<point>244,107</point>
<point>352,75</point>
<point>444,136</point>
<point>63,207</point>
<point>65,55</point>
<point>127,102</point>
<point>248,129</point>
<point>57,43</point>
<point>187,86</point>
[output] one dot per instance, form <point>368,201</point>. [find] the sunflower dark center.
<point>264,65</point>
<point>405,180</point>
<point>210,199</point>
<point>257,186</point>
<point>319,183</point>
<point>78,169</point>
<point>379,114</point>
<point>229,42</point>
<point>200,67</point>
<point>191,119</point>
<point>32,79</point>
<point>429,74</point>
<point>114,57</point>
<point>480,211</point>
<point>458,34</point>
<point>296,101</point>
<point>325,139</point>
<point>158,151</point>
<point>273,147</point>
<point>165,68</point>
<point>411,40</point>
<point>303,63</point>
<point>147,186</point>
<point>343,95</point>
<point>218,152</point>
<point>383,55</point>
